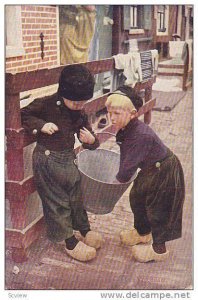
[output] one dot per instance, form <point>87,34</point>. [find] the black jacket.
<point>52,109</point>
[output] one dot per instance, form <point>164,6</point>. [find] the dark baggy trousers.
<point>156,200</point>
<point>57,181</point>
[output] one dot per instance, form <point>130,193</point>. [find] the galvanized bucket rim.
<point>107,183</point>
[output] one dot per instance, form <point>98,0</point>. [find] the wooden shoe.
<point>145,253</point>
<point>132,237</point>
<point>93,239</point>
<point>82,252</point>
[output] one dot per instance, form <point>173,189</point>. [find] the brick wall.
<point>37,19</point>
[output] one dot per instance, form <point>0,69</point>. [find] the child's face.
<point>74,105</point>
<point>120,117</point>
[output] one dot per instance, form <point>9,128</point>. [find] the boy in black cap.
<point>54,120</point>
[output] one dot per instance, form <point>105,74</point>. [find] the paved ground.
<point>49,268</point>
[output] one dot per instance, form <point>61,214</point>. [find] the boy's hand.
<point>49,128</point>
<point>86,136</point>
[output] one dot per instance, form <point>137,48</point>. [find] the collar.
<point>123,132</point>
<point>130,125</point>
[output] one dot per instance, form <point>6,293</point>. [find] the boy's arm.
<point>126,172</point>
<point>87,125</point>
<point>31,116</point>
<point>134,152</point>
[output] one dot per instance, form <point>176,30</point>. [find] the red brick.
<point>10,59</point>
<point>40,8</point>
<point>27,38</point>
<point>19,58</point>
<point>53,48</point>
<point>25,14</point>
<point>29,7</point>
<point>32,50</point>
<point>17,64</point>
<point>8,65</point>
<point>19,70</point>
<point>36,61</point>
<point>30,32</point>
<point>30,20</point>
<point>48,15</point>
<point>26,26</point>
<point>31,68</point>
<point>35,14</point>
<point>27,62</point>
<point>53,57</point>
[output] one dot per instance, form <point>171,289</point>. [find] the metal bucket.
<point>98,170</point>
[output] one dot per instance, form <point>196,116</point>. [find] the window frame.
<point>13,31</point>
<point>133,17</point>
<point>166,20</point>
<point>162,17</point>
<point>136,26</point>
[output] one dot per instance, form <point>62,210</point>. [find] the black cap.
<point>76,83</point>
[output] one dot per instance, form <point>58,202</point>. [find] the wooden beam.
<point>25,81</point>
<point>20,240</point>
<point>146,107</point>
<point>12,109</point>
<point>15,163</point>
<point>180,66</point>
<point>170,74</point>
<point>96,104</point>
<point>16,190</point>
<point>145,84</point>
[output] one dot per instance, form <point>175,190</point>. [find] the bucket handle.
<point>80,147</point>
<point>105,132</point>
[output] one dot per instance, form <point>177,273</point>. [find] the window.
<point>136,17</point>
<point>13,31</point>
<point>161,18</point>
<point>133,16</point>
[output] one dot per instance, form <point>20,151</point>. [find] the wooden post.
<point>148,96</point>
<point>186,67</point>
<point>116,30</point>
<point>12,108</point>
<point>14,155</point>
<point>18,211</point>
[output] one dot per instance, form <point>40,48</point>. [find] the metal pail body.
<point>98,170</point>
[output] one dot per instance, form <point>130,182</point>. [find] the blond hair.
<point>119,100</point>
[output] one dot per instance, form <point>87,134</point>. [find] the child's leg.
<point>164,190</point>
<point>165,197</point>
<point>138,207</point>
<point>80,220</point>
<point>78,213</point>
<point>56,178</point>
<point>71,242</point>
<point>159,248</point>
<point>141,233</point>
<point>146,253</point>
